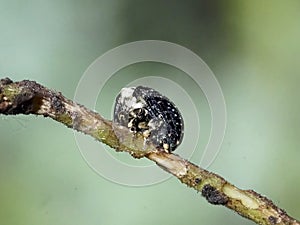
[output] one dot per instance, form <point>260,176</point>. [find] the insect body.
<point>144,110</point>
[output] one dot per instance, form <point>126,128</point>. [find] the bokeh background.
<point>252,47</point>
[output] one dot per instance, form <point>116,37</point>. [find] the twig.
<point>29,97</point>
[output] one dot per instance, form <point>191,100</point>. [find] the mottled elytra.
<point>144,110</point>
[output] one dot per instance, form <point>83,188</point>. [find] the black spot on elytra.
<point>213,196</point>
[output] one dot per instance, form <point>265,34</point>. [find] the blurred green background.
<point>253,47</point>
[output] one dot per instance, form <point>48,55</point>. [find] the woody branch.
<point>29,97</point>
